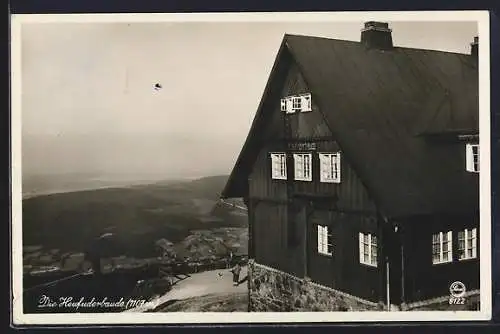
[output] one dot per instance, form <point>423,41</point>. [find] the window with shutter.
<point>368,249</point>
<point>329,167</point>
<point>278,166</point>
<point>442,247</point>
<point>302,168</point>
<point>472,157</point>
<point>325,243</point>
<point>302,103</point>
<point>467,244</point>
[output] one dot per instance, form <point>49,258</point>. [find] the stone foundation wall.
<point>274,291</point>
<point>271,290</point>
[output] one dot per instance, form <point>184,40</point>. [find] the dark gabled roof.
<point>380,105</point>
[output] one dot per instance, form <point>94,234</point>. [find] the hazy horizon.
<point>89,103</point>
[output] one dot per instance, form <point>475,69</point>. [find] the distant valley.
<point>176,218</point>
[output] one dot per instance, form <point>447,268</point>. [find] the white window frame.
<point>278,166</point>
<point>471,158</point>
<point>325,244</point>
<point>296,103</point>
<point>301,167</point>
<point>371,242</point>
<point>441,252</point>
<point>329,167</point>
<point>469,238</point>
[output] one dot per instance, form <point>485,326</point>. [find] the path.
<point>200,284</point>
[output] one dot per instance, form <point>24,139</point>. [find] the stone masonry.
<point>272,290</point>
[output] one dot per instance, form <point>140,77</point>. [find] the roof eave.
<point>230,190</point>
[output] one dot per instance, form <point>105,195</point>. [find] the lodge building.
<point>361,176</point>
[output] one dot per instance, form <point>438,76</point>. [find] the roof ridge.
<point>402,48</point>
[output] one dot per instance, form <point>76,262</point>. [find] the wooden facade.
<point>286,239</point>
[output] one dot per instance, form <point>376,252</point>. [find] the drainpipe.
<point>403,298</point>
<point>388,285</point>
<point>386,239</point>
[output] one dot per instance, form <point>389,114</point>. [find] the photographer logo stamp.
<point>457,293</point>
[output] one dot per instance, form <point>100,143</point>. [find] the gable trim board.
<point>373,99</point>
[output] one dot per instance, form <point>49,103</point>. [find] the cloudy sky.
<point>88,103</point>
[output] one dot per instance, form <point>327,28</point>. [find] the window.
<point>472,157</point>
<point>325,245</point>
<point>467,244</point>
<point>278,166</point>
<point>329,167</point>
<point>441,247</point>
<point>368,249</point>
<point>287,104</point>
<point>303,166</point>
<point>296,103</point>
<point>291,104</point>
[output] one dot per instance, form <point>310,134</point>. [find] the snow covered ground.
<point>202,284</point>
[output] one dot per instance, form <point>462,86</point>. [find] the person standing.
<point>236,274</point>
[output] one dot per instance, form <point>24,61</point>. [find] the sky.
<point>89,103</point>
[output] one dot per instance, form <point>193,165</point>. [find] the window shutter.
<point>306,103</point>
<point>319,239</point>
<point>299,165</point>
<point>274,165</point>
<point>338,169</point>
<point>323,161</point>
<point>469,158</point>
<point>289,104</point>
<point>361,251</point>
<point>329,240</point>
<point>450,240</point>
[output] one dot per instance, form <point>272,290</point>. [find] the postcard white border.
<point>19,318</point>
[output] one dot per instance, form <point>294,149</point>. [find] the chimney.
<point>473,47</point>
<point>377,35</point>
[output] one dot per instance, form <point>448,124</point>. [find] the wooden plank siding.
<point>351,193</point>
<point>343,270</point>
<point>349,209</point>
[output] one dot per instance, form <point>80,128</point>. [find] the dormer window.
<point>296,103</point>
<point>472,158</point>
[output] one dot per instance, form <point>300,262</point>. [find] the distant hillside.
<point>44,184</point>
<point>137,216</point>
